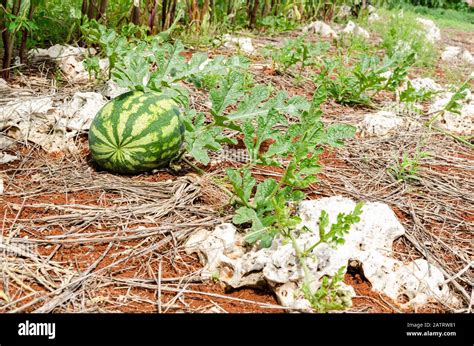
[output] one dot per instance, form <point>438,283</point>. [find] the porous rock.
<point>433,34</point>
<point>455,54</point>
<point>354,29</point>
<point>6,158</point>
<point>242,43</point>
<point>381,123</point>
<point>49,124</point>
<point>112,89</point>
<point>368,242</point>
<point>461,124</point>
<point>425,84</point>
<point>320,28</point>
<point>81,110</point>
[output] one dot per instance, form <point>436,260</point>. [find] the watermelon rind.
<point>136,132</point>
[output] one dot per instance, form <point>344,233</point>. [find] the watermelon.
<point>136,132</point>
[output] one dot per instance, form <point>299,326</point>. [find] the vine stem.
<point>199,170</point>
<point>308,278</point>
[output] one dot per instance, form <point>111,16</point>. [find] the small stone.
<point>6,158</point>
<point>242,43</point>
<point>433,34</point>
<point>381,123</point>
<point>354,29</point>
<point>320,28</point>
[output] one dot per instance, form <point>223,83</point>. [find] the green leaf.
<point>336,133</point>
<point>243,215</point>
<point>264,190</point>
<point>227,93</point>
<point>242,182</point>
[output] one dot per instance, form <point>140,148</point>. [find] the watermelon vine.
<point>259,114</point>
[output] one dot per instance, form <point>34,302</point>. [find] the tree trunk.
<point>24,34</point>
<point>9,41</point>
<point>151,19</point>
<point>136,12</point>
<point>84,8</point>
<point>274,8</point>
<point>211,11</point>
<point>172,12</point>
<point>194,11</point>
<point>91,9</point>
<point>253,14</point>
<point>203,11</point>
<point>164,13</point>
<point>102,8</point>
<point>266,8</point>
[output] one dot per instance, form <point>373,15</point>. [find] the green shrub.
<point>401,33</point>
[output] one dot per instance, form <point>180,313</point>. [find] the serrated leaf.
<point>264,190</point>
<point>227,93</point>
<point>243,215</point>
<point>198,143</point>
<point>242,182</point>
<point>336,133</point>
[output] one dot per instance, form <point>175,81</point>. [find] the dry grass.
<point>78,239</point>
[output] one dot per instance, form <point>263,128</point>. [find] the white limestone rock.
<point>433,34</point>
<point>290,295</point>
<point>455,54</point>
<point>368,242</point>
<point>461,124</point>
<point>451,53</point>
<point>6,158</point>
<point>373,17</point>
<point>467,57</point>
<point>3,84</point>
<point>217,249</point>
<point>112,89</point>
<point>354,29</point>
<point>81,110</point>
<point>51,125</point>
<point>56,52</point>
<point>426,84</point>
<point>371,9</point>
<point>381,123</point>
<point>344,11</point>
<point>243,44</point>
<point>320,28</point>
<point>5,142</point>
<point>68,58</point>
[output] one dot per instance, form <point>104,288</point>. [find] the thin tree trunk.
<point>136,12</point>
<point>9,41</point>
<point>164,12</point>
<point>194,11</point>
<point>211,11</point>
<point>253,14</point>
<point>91,9</point>
<point>102,8</point>
<point>203,11</point>
<point>84,8</point>
<point>172,12</point>
<point>151,19</point>
<point>266,8</point>
<point>5,37</point>
<point>24,34</point>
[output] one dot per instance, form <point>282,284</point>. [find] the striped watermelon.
<point>136,132</point>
